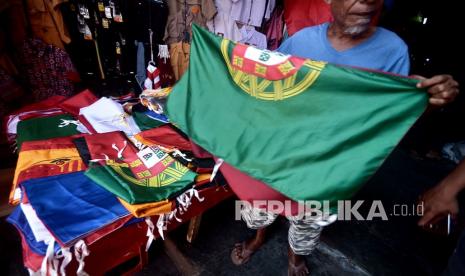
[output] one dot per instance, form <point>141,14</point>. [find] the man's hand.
<point>438,203</point>
<point>442,88</point>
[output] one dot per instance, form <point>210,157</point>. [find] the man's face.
<point>355,16</point>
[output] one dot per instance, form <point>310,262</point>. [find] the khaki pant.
<point>179,53</point>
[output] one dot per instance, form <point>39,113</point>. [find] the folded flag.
<point>73,104</point>
<point>72,206</point>
<point>166,136</point>
<point>135,176</point>
<point>149,209</point>
<point>106,115</point>
<point>147,119</point>
<point>18,219</point>
<point>45,158</point>
<point>309,129</point>
<point>43,108</point>
<point>46,128</point>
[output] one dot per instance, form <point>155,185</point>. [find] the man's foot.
<point>297,265</point>
<point>242,252</point>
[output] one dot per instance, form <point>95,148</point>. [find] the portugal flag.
<point>309,129</point>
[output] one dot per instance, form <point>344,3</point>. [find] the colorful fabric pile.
<point>85,169</point>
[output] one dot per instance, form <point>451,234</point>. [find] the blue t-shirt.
<point>384,50</point>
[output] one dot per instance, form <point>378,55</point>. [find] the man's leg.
<point>456,265</point>
<point>304,235</point>
<point>255,219</point>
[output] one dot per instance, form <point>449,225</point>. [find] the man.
<point>440,202</point>
<point>351,39</point>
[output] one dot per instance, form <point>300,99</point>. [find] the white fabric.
<point>17,194</point>
<point>172,215</point>
<point>161,225</point>
<point>48,261</point>
<point>178,153</point>
<point>185,199</point>
<point>222,24</point>
<point>65,123</point>
<point>150,235</point>
<point>274,58</point>
<point>51,262</point>
<point>119,152</point>
<point>163,52</point>
<point>250,36</point>
<point>82,128</point>
<point>38,228</point>
<point>251,12</point>
<point>67,258</point>
<point>106,115</point>
<point>81,252</point>
<point>33,273</point>
<point>217,166</point>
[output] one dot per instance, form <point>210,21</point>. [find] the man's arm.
<point>442,199</point>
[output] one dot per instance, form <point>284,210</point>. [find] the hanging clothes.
<point>299,14</point>
<point>167,78</point>
<point>275,28</point>
<point>147,22</point>
<point>222,24</point>
<point>179,53</point>
<point>183,13</point>
<point>252,37</point>
<point>252,12</point>
<point>47,69</point>
<point>46,22</point>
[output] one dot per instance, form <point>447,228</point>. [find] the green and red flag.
<point>309,129</point>
<point>149,175</point>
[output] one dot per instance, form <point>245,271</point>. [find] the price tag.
<point>118,49</point>
<point>105,23</point>
<point>101,7</point>
<point>108,12</point>
<point>87,33</point>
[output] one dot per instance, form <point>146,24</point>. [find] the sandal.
<point>300,269</point>
<point>240,255</point>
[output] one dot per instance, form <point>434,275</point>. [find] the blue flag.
<point>72,206</point>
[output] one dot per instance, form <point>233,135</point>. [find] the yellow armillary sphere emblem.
<point>273,90</point>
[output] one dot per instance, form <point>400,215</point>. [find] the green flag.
<point>121,181</point>
<point>144,122</point>
<point>311,130</point>
<point>45,128</point>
